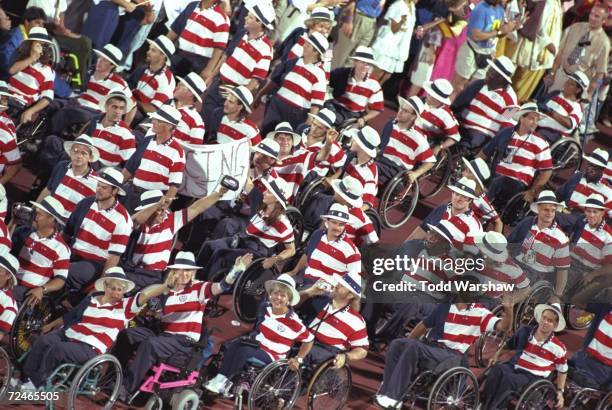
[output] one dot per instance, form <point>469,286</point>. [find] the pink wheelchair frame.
<point>158,370</point>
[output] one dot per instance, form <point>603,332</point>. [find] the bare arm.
<point>172,35</point>
<point>111,262</point>
<point>418,331</point>
<point>302,263</point>
<point>211,67</point>
<point>43,194</point>
<point>9,172</point>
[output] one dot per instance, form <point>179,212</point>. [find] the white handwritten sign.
<point>206,164</point>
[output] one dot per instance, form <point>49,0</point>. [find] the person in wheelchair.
<point>9,151</point>
<point>339,330</point>
<point>537,353</point>
<point>321,20</point>
<point>231,122</point>
<point>453,328</point>
<point>43,255</point>
<point>541,248</point>
<point>563,109</point>
<point>99,84</point>
<point>32,76</point>
<point>277,328</point>
<point>287,139</point>
<point>437,121</point>
<point>519,153</point>
<point>459,211</point>
<point>181,319</point>
<point>357,94</point>
<point>328,255</point>
<point>8,280</point>
<point>88,330</point>
<point>403,146</point>
<point>478,171</point>
<point>187,93</point>
<point>73,180</point>
<point>481,106</point>
<point>268,229</point>
<point>98,231</point>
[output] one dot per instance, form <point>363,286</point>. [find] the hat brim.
<point>314,19</point>
<point>269,26</point>
<point>320,120</point>
<point>461,191</point>
<point>158,117</point>
<point>517,115</point>
<point>430,91</point>
<point>95,155</point>
<point>99,285</point>
<point>58,218</point>
<point>273,192</point>
<point>183,266</point>
<point>13,277</point>
<point>592,206</point>
<point>14,96</point>
<point>364,60</point>
<point>439,232</point>
<point>143,207</point>
<point>168,58</point>
<point>245,104</point>
<point>129,105</point>
<point>467,164</point>
<point>500,72</point>
<point>104,181</point>
<point>402,103</point>
<point>497,257</point>
<point>40,40</point>
<point>533,207</point>
<point>593,161</point>
<point>355,203</point>
<point>539,309</point>
<point>295,296</point>
<point>267,154</point>
<point>371,152</point>
<point>321,52</point>
<point>190,88</point>
<point>342,282</point>
<point>297,138</point>
<point>335,218</point>
<point>107,57</point>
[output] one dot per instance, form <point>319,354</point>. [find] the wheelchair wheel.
<point>490,342</point>
<point>249,290</point>
<point>541,292</point>
<point>398,201</point>
<point>185,400</point>
<point>582,399</point>
<point>154,403</point>
<point>329,388</point>
<point>213,308</point>
<point>99,379</point>
<point>306,191</point>
<point>566,157</point>
<point>577,319</point>
<point>456,388</point>
<point>6,371</point>
<point>27,326</point>
<point>376,222</point>
<point>297,222</point>
<point>276,387</point>
<point>437,177</point>
<point>605,403</point>
<point>515,210</point>
<point>541,394</point>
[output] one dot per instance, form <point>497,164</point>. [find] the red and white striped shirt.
<point>333,258</point>
<point>277,333</point>
<point>584,189</point>
<point>550,247</point>
<point>183,311</point>
<point>236,130</point>
<point>250,59</point>
<point>506,273</point>
<point>294,169</point>
<point>360,228</point>
<point>98,89</point>
<point>344,330</point>
<point>7,122</point>
<point>279,232</point>
<point>526,155</point>
<point>565,108</point>
<point>5,238</point>
<point>362,95</point>
<point>335,159</point>
<point>463,327</point>
<point>485,113</point>
<point>101,323</point>
<point>594,247</point>
<point>463,227</point>
<point>429,269</point>
<point>483,209</point>
<point>33,83</point>
<point>162,165</point>
<point>9,152</point>
<point>438,123</point>
<point>43,259</point>
<point>72,189</point>
<point>8,310</point>
<point>367,174</point>
<point>191,127</point>
<point>152,250</point>
<point>155,89</point>
<point>116,143</point>
<point>304,86</point>
<point>542,358</point>
<point>297,51</point>
<point>103,232</point>
<point>205,30</point>
<point>601,346</point>
<point>408,147</point>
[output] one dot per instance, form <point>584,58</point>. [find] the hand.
<point>589,277</point>
<point>27,116</point>
<point>508,301</point>
<point>36,51</point>
<point>552,49</point>
<point>420,32</point>
<point>327,182</point>
<point>318,289</point>
<point>560,400</point>
<point>436,150</point>
<point>331,136</point>
<point>411,177</point>
<point>293,364</point>
<point>347,28</point>
<point>269,262</point>
<point>529,195</point>
<point>35,295</point>
<point>47,328</point>
<point>244,260</point>
<point>361,122</point>
<point>130,7</point>
<point>340,360</point>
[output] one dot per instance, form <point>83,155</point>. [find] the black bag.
<point>481,59</point>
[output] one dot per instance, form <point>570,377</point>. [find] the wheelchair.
<point>328,388</point>
<point>6,371</point>
<point>249,290</point>
<point>566,154</point>
<point>438,176</point>
<point>582,393</point>
<point>541,394</point>
<point>398,201</point>
<point>307,190</point>
<point>541,291</point>
<point>577,319</point>
<point>514,210</point>
<point>489,343</point>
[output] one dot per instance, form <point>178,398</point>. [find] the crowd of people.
<point>490,84</point>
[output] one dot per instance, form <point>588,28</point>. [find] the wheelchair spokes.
<point>398,202</point>
<point>99,379</point>
<point>276,388</point>
<point>437,177</point>
<point>6,371</point>
<point>329,387</point>
<point>456,388</point>
<point>28,323</point>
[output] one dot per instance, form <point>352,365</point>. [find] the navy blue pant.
<point>150,349</point>
<point>592,369</point>
<point>212,100</point>
<point>204,225</point>
<point>316,206</point>
<point>503,378</point>
<point>101,23</point>
<point>342,114</point>
<point>236,356</point>
<point>52,350</point>
<point>502,189</point>
<point>184,63</point>
<point>83,272</point>
<point>70,114</point>
<point>401,313</point>
<point>279,111</point>
<point>219,254</point>
<point>387,169</point>
<point>472,140</point>
<point>405,359</point>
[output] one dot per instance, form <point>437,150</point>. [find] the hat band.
<point>316,43</point>
<point>83,141</point>
<point>182,261</point>
<point>36,36</point>
<point>351,282</point>
<point>116,94</point>
<point>269,150</point>
<point>364,141</point>
<point>346,192</point>
<point>490,246</point>
<point>240,96</point>
<point>547,199</point>
<point>338,214</point>
<point>169,118</point>
<point>465,188</point>
<point>477,171</point>
<point>260,15</point>
<point>436,90</point>
<point>111,57</point>
<point>277,191</point>
<point>284,282</point>
<point>320,15</point>
<point>4,90</point>
<point>109,178</point>
<point>191,84</point>
<point>7,265</point>
<point>578,80</point>
<point>367,56</point>
<point>416,109</point>
<point>52,211</point>
<point>598,158</point>
<point>150,201</point>
<point>283,130</point>
<point>325,119</point>
<point>163,48</point>
<point>502,68</point>
<point>594,202</point>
